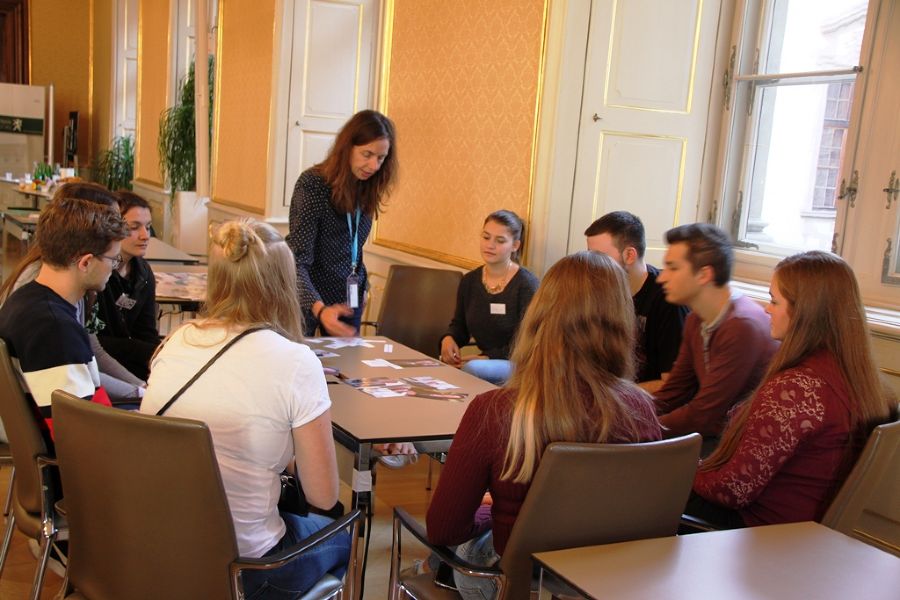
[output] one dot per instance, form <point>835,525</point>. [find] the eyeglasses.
<point>114,260</point>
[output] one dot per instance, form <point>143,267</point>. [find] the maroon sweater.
<point>793,453</point>
<point>474,466</point>
<point>700,390</point>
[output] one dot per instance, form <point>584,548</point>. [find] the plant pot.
<point>189,223</point>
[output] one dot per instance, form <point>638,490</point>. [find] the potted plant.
<point>177,163</point>
<point>115,166</point>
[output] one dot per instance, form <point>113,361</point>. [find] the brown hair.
<point>364,127</point>
<point>513,223</point>
<point>71,227</point>
<point>708,246</point>
<point>129,200</point>
<point>573,358</point>
<point>624,228</point>
<point>826,313</point>
<point>85,190</point>
<point>252,280</point>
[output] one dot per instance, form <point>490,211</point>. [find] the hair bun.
<point>235,238</point>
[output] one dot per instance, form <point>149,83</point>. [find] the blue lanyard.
<point>354,242</point>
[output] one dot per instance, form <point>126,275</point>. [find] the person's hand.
<point>450,352</point>
<point>396,448</point>
<point>329,319</point>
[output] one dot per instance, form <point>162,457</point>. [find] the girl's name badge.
<point>353,291</point>
<point>498,309</point>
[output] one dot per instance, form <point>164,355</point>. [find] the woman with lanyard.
<point>331,215</point>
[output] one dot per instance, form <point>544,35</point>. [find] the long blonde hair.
<point>826,313</point>
<point>573,357</point>
<point>252,280</point>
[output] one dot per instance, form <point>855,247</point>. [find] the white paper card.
<point>498,309</point>
<point>380,362</point>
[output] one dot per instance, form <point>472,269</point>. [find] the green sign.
<point>23,125</point>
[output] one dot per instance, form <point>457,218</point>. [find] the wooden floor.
<point>402,487</point>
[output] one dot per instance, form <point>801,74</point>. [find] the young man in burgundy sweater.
<point>725,346</point>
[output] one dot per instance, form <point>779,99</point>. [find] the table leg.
<point>361,487</point>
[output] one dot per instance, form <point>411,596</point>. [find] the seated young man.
<point>129,331</point>
<point>726,346</point>
<point>620,236</point>
<point>79,242</point>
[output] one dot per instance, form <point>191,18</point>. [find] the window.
<point>793,81</point>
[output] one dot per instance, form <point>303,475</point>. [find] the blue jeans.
<point>298,576</point>
<point>494,370</point>
<point>478,551</point>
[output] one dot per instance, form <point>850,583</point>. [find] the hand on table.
<point>329,319</point>
<point>450,352</point>
<point>396,448</point>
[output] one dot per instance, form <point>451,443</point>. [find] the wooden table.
<point>796,560</point>
<point>160,252</point>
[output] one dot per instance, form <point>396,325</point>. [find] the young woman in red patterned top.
<point>787,450</point>
<point>573,357</point>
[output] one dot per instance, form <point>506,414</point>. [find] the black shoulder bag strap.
<point>231,343</point>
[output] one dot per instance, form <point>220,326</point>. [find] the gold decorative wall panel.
<point>242,103</point>
<point>153,83</point>
<point>60,47</point>
<point>104,53</point>
<point>462,85</point>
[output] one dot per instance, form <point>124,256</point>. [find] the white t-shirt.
<point>250,398</point>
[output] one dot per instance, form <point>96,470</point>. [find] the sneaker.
<point>398,461</point>
<point>57,560</point>
<point>417,568</point>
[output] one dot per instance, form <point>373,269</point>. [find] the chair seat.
<point>421,587</point>
<point>324,588</point>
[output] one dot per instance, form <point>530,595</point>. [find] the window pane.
<point>813,35</point>
<point>792,175</point>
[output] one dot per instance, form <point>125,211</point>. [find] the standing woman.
<point>491,301</point>
<point>787,450</point>
<point>331,215</point>
<point>264,399</point>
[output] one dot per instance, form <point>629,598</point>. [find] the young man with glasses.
<point>129,331</point>
<point>79,242</point>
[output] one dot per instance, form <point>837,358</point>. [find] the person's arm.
<point>681,385</point>
<point>733,361</point>
<point>315,459</point>
<point>784,412</point>
<point>303,225</point>
<point>457,332</point>
<point>110,367</point>
<point>144,324</point>
<point>454,516</point>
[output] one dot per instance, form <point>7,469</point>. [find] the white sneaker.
<point>57,560</point>
<point>398,461</point>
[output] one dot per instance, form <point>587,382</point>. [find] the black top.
<point>492,319</point>
<point>320,240</point>
<point>659,329</point>
<point>128,304</point>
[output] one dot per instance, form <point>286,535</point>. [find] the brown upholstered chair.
<point>867,506</point>
<point>417,307</point>
<point>581,495</point>
<point>35,490</point>
<point>148,513</point>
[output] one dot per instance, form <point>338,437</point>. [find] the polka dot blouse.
<point>320,241</point>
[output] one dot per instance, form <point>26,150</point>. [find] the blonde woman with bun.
<point>264,399</point>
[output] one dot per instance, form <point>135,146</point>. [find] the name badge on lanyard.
<point>353,279</point>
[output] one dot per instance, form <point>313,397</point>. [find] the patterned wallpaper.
<point>462,89</point>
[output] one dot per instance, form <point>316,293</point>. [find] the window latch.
<point>892,189</point>
<point>848,190</point>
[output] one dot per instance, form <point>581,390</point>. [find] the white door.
<point>644,114</point>
<point>332,77</point>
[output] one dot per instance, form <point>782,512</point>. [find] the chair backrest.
<point>147,512</point>
<point>417,306</point>
<point>589,494</point>
<point>25,439</point>
<point>867,506</point>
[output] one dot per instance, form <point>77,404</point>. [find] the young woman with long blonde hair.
<point>264,399</point>
<point>787,449</point>
<point>572,382</point>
